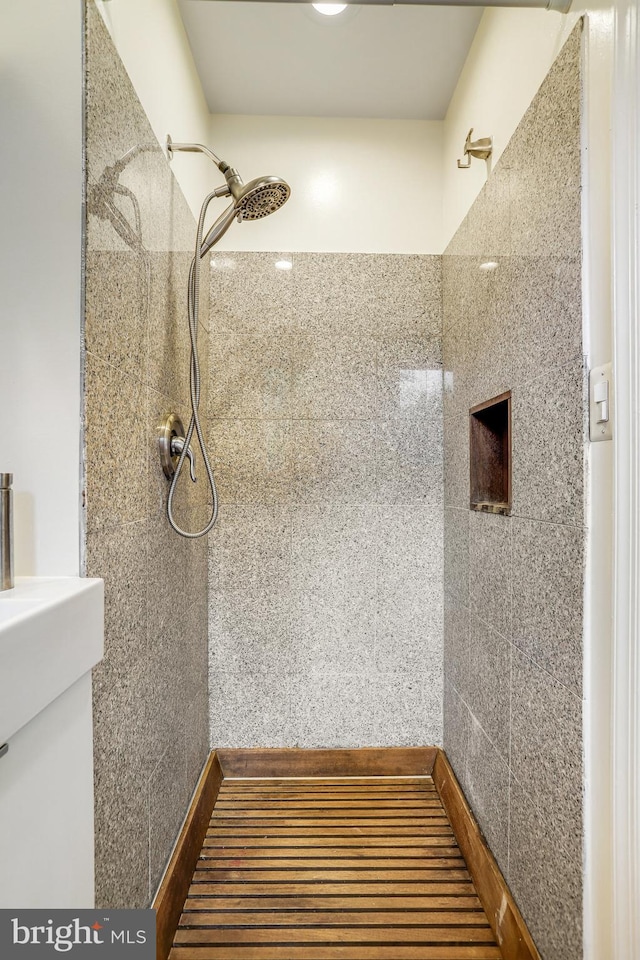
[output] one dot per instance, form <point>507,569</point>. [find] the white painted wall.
<point>40,277</point>
<point>360,186</point>
<point>151,41</point>
<point>509,58</point>
<point>342,171</point>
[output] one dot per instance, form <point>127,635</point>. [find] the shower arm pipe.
<point>557,6</point>
<point>172,147</point>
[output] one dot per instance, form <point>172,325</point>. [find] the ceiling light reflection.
<point>329,9</point>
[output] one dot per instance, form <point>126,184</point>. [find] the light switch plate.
<point>597,378</point>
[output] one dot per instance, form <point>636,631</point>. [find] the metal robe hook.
<point>480,149</point>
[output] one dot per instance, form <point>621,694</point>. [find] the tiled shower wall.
<point>150,691</point>
<point>325,570</point>
<point>514,585</point>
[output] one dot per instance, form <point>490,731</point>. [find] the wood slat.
<point>328,781</point>
<point>322,804</point>
<point>340,865</point>
<point>300,889</point>
<point>226,818</point>
<point>175,884</point>
<point>502,911</point>
<point>443,838</point>
<point>336,790</point>
<point>266,829</point>
<point>283,935</point>
<point>321,812</point>
<point>322,869</point>
<point>204,874</point>
<point>484,952</point>
<point>336,918</point>
<point>211,852</point>
<point>375,904</point>
<point>365,762</point>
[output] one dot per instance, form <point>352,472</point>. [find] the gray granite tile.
<point>249,549</point>
<point>490,570</point>
<point>158,407</point>
<point>542,297</point>
<point>119,556</point>
<point>334,378</point>
<point>169,343</point>
<point>116,123</point>
<point>252,460</point>
<point>409,590</point>
<point>456,553</point>
<point>548,417</point>
<point>546,742</point>
<point>489,686</point>
<point>456,643</point>
<point>409,549</point>
<point>249,709</point>
<point>116,288</point>
<point>545,877</point>
<point>121,831</point>
<point>333,630</point>
<point>410,709</point>
<point>336,293</point>
<point>150,693</point>
<point>408,294</point>
<point>456,461</point>
<point>250,295</point>
<point>489,219</point>
<point>409,462</point>
<point>455,352</point>
<point>168,797</point>
<point>491,344</point>
<point>548,585</point>
<point>196,738</point>
<point>368,294</point>
<point>409,378</point>
<point>331,546</point>
<point>252,376</point>
<point>334,461</point>
<point>251,631</point>
<point>409,633</point>
<point>116,475</point>
<point>545,217</point>
<point>456,721</point>
<point>487,792</point>
<point>333,711</point>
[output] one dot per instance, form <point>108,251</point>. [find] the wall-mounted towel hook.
<point>480,149</point>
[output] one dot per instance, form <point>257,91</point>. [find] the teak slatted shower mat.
<point>316,869</point>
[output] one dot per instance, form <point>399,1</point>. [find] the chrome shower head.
<point>260,197</point>
<point>251,201</point>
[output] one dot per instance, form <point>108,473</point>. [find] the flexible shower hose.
<point>193,308</point>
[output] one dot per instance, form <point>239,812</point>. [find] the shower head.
<point>251,201</point>
<point>259,197</point>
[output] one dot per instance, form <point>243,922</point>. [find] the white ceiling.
<point>285,59</point>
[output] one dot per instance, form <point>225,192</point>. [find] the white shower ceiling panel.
<point>285,59</point>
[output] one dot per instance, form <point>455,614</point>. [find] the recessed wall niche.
<point>490,455</point>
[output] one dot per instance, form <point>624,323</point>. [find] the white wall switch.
<point>601,403</point>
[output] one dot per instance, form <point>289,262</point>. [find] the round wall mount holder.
<point>170,427</point>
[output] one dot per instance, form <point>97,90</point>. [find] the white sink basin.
<point>51,634</point>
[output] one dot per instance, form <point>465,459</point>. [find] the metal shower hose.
<point>193,308</point>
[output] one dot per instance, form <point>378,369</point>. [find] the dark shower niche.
<point>490,455</point>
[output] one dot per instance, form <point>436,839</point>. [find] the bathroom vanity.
<point>51,636</point>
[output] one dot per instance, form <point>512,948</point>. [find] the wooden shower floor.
<point>317,869</point>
